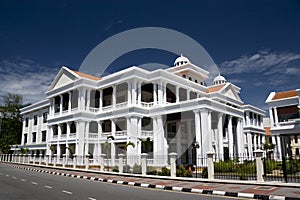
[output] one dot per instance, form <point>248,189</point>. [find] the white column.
<point>187,94</point>
<point>139,92</point>
<point>250,148</point>
<point>220,139</point>
<point>70,102</point>
<point>198,135</point>
<point>99,136</point>
<point>230,136</point>
<point>177,95</point>
<point>86,145</point>
<point>178,145</point>
<point>278,146</point>
<point>101,100</point>
<point>247,118</point>
<point>239,136</point>
<point>205,132</point>
<point>271,117</point>
<point>164,93</point>
<point>61,104</point>
<point>133,92</point>
<point>114,96</point>
<point>88,99</point>
<point>259,141</point>
<point>276,116</point>
<point>160,143</point>
<point>129,93</point>
<point>154,93</point>
<point>189,138</point>
<point>255,141</point>
<point>80,130</point>
<point>113,147</point>
<point>82,95</point>
<point>160,93</point>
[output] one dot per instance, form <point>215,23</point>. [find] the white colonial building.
<point>285,122</point>
<point>173,108</point>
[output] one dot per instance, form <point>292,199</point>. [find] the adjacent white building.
<point>285,121</point>
<point>174,108</point>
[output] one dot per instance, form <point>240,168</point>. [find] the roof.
<point>95,78</point>
<point>284,95</point>
<point>214,88</point>
<point>267,131</point>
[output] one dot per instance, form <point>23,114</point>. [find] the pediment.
<point>64,77</point>
<point>232,93</point>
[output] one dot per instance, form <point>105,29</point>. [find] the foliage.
<point>126,169</point>
<point>129,144</point>
<point>205,172</point>
<point>232,166</point>
<point>146,144</point>
<point>183,172</point>
<point>164,172</point>
<point>151,170</point>
<point>293,166</point>
<point>24,150</point>
<point>115,169</point>
<point>137,169</point>
<point>10,122</point>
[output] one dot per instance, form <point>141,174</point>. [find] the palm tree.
<point>147,143</point>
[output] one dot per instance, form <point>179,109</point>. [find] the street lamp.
<point>196,146</point>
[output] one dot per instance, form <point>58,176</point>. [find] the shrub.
<point>126,169</point>
<point>183,172</point>
<point>115,169</point>
<point>164,172</point>
<point>205,172</point>
<point>151,170</point>
<point>137,169</point>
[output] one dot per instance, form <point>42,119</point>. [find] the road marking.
<point>6,175</point>
<point>34,183</point>
<point>14,177</point>
<point>67,192</point>
<point>47,186</point>
<point>23,180</point>
<point>90,198</point>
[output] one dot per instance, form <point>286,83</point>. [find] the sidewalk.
<point>245,189</point>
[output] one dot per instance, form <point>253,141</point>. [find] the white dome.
<point>219,80</point>
<point>181,60</point>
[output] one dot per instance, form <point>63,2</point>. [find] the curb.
<point>162,187</point>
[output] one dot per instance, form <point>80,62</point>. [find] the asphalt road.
<point>18,184</point>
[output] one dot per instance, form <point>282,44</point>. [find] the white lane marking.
<point>34,183</point>
<point>14,177</point>
<point>6,175</point>
<point>23,180</point>
<point>47,186</point>
<point>90,198</point>
<point>67,192</point>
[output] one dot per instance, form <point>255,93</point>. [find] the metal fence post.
<point>121,159</point>
<point>173,157</point>
<point>284,169</point>
<point>259,165</point>
<point>144,163</point>
<point>210,165</point>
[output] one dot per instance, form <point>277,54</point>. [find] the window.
<point>196,81</point>
<point>44,135</point>
<point>26,122</point>
<point>35,119</point>
<point>190,78</point>
<point>25,138</point>
<point>184,76</point>
<point>296,139</point>
<point>34,137</point>
<point>297,152</point>
<point>45,116</point>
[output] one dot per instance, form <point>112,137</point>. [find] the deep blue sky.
<point>256,44</point>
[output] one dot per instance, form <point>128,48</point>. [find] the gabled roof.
<point>88,76</point>
<point>285,94</point>
<point>215,88</point>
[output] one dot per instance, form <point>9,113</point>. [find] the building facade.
<point>285,121</point>
<point>159,112</point>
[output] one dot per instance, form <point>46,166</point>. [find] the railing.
<point>63,136</point>
<point>54,136</point>
<point>72,135</point>
<point>107,108</point>
<point>147,104</point>
<point>93,135</point>
<point>147,133</point>
<point>120,105</point>
<point>121,133</point>
<point>95,110</point>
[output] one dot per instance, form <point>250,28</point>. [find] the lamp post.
<point>195,146</point>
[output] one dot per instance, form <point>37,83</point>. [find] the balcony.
<point>147,133</point>
<point>147,104</point>
<point>93,135</point>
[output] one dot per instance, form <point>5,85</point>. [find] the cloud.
<point>263,61</point>
<point>25,77</point>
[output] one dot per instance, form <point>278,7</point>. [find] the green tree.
<point>11,121</point>
<point>268,147</point>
